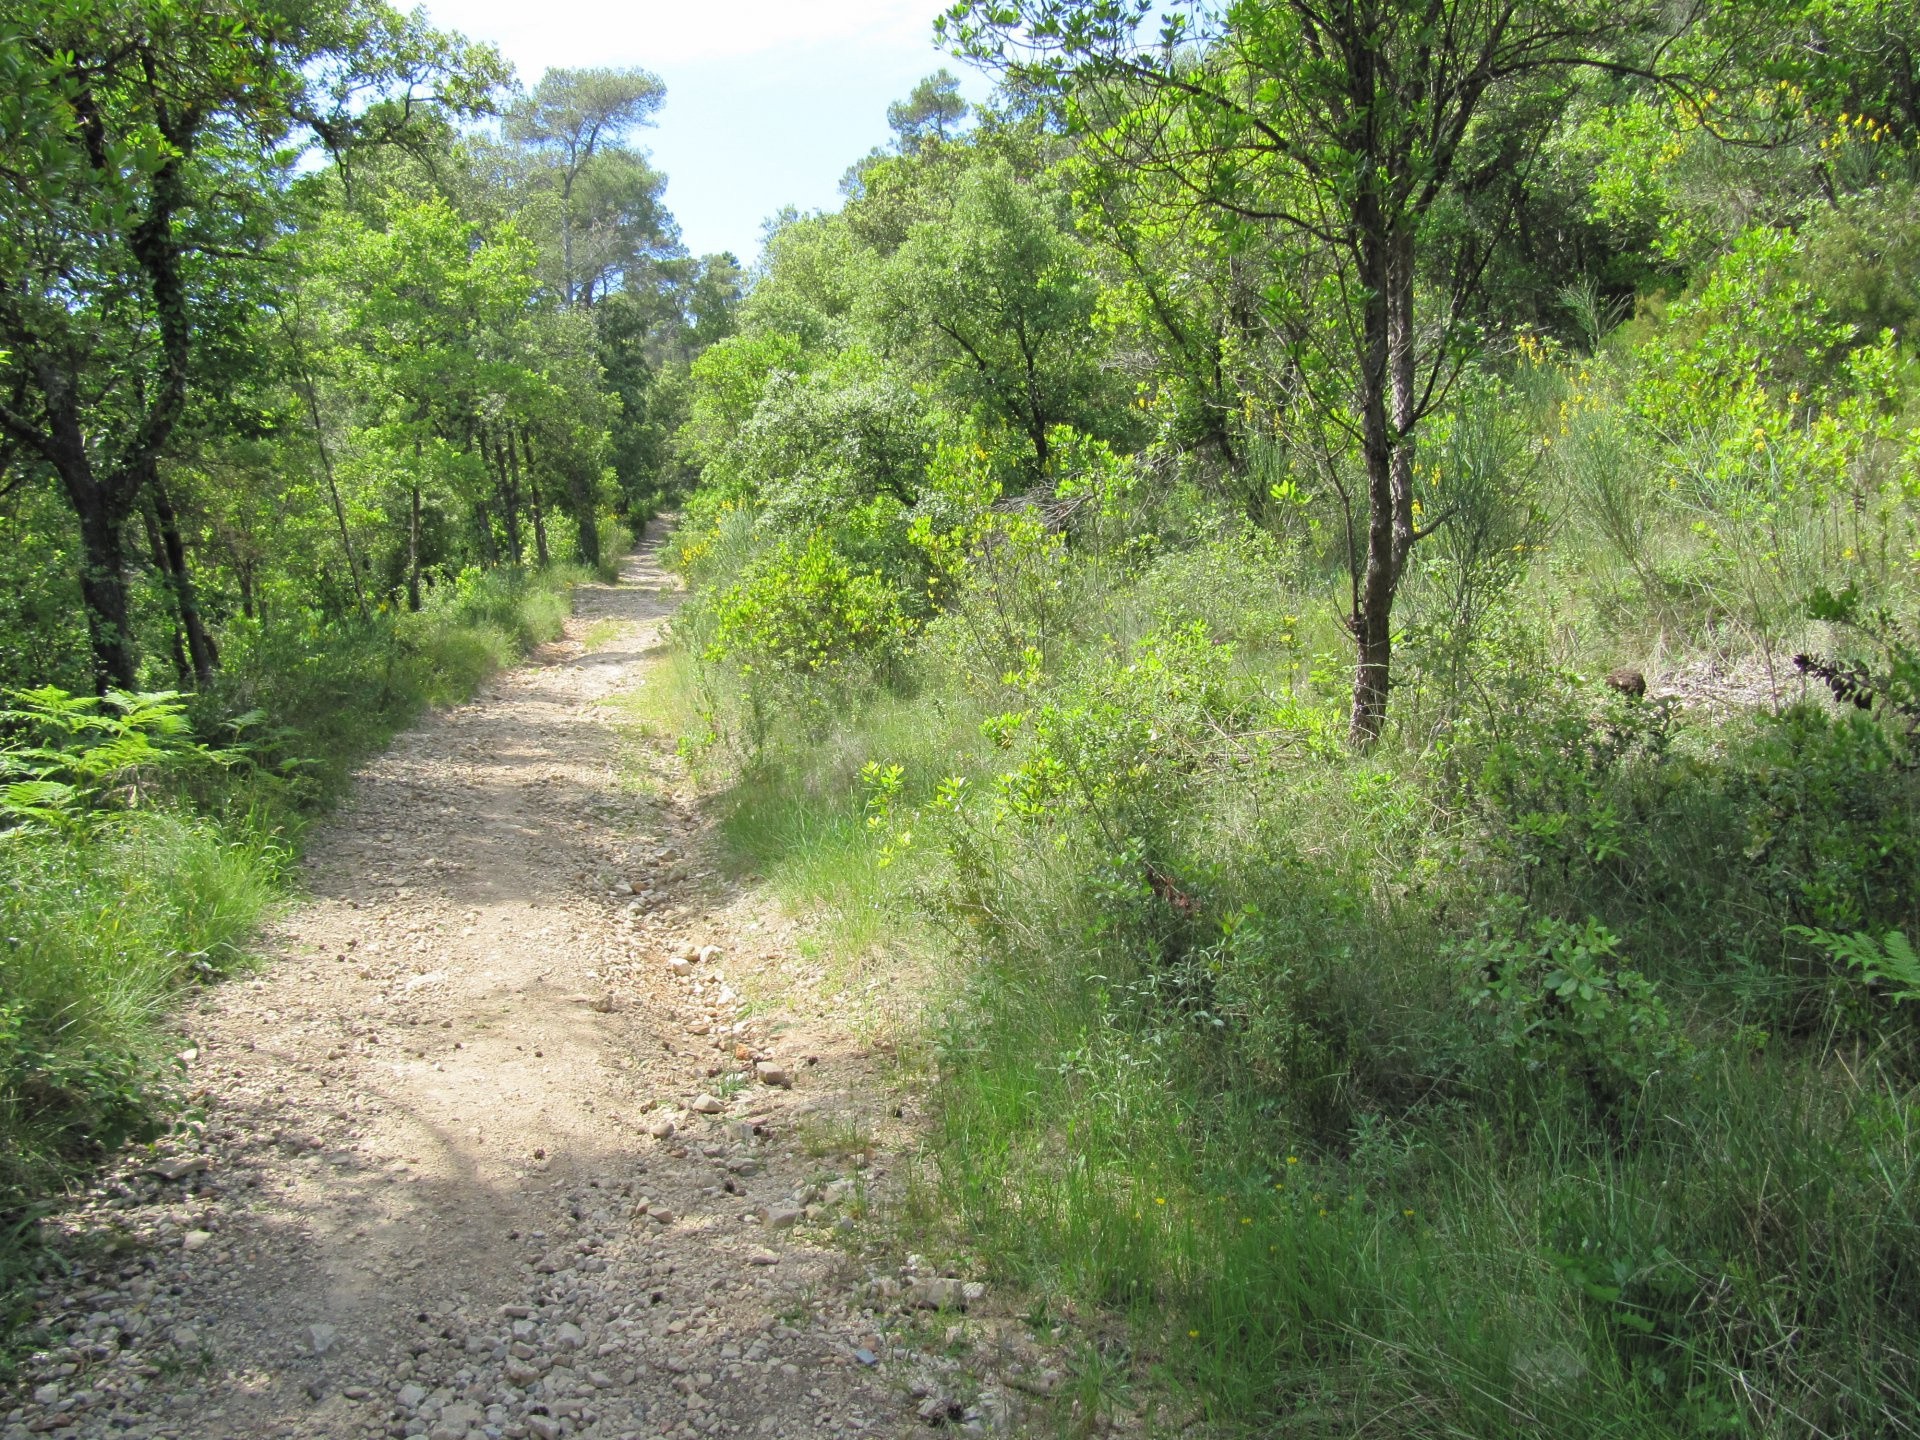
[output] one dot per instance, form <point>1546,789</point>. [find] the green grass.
<point>602,633</point>
<point>100,932</point>
<point>803,830</point>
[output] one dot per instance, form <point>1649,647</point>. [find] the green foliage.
<point>806,626</point>
<point>78,755</point>
<point>101,928</point>
<point>1558,1000</point>
<point>995,302</point>
<point>1548,1067</point>
<point>1889,962</point>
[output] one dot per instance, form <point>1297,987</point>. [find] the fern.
<point>46,801</point>
<point>70,755</point>
<point>1889,963</point>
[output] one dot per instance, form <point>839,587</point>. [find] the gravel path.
<point>492,1147</point>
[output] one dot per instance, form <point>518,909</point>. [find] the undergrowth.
<point>1520,1075</point>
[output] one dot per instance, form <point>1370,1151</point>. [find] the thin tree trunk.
<point>586,522</point>
<point>483,522</point>
<point>494,455</point>
<point>1373,594</point>
<point>326,468</point>
<point>186,598</point>
<point>533,497</point>
<point>157,557</point>
<point>413,533</point>
<point>1387,415</point>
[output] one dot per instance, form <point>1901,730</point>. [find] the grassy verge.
<point>1491,1087</point>
<point>108,911</point>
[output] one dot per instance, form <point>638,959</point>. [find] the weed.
<point>601,634</point>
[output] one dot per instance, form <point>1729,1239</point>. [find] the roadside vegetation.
<point>330,359</point>
<point>1506,1030</point>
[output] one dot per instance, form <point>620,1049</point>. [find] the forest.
<point>1327,587</point>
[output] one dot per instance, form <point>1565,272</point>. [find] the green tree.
<point>996,303</point>
<point>1368,141</point>
<point>430,321</point>
<point>607,197</point>
<point>933,111</point>
<point>138,188</point>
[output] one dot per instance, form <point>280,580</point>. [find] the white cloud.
<point>657,33</point>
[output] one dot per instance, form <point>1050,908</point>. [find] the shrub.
<point>1556,998</point>
<point>804,625</point>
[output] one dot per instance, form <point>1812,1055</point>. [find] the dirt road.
<point>454,1178</point>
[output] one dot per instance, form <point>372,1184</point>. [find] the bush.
<point>1557,1000</point>
<point>806,627</point>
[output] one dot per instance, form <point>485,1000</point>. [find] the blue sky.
<point>768,101</point>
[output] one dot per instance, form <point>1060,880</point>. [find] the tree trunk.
<point>495,455</point>
<point>483,522</point>
<point>586,522</point>
<point>104,501</point>
<point>186,598</point>
<point>157,557</point>
<point>413,533</point>
<point>533,498</point>
<point>326,464</point>
<point>539,525</point>
<point>103,586</point>
<point>413,547</point>
<point>1386,415</point>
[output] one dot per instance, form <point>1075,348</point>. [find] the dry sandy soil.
<point>452,1176</point>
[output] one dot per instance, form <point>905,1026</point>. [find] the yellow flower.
<point>1293,1159</point>
<point>1159,1199</point>
<point>1193,1334</point>
<point>1246,1220</point>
